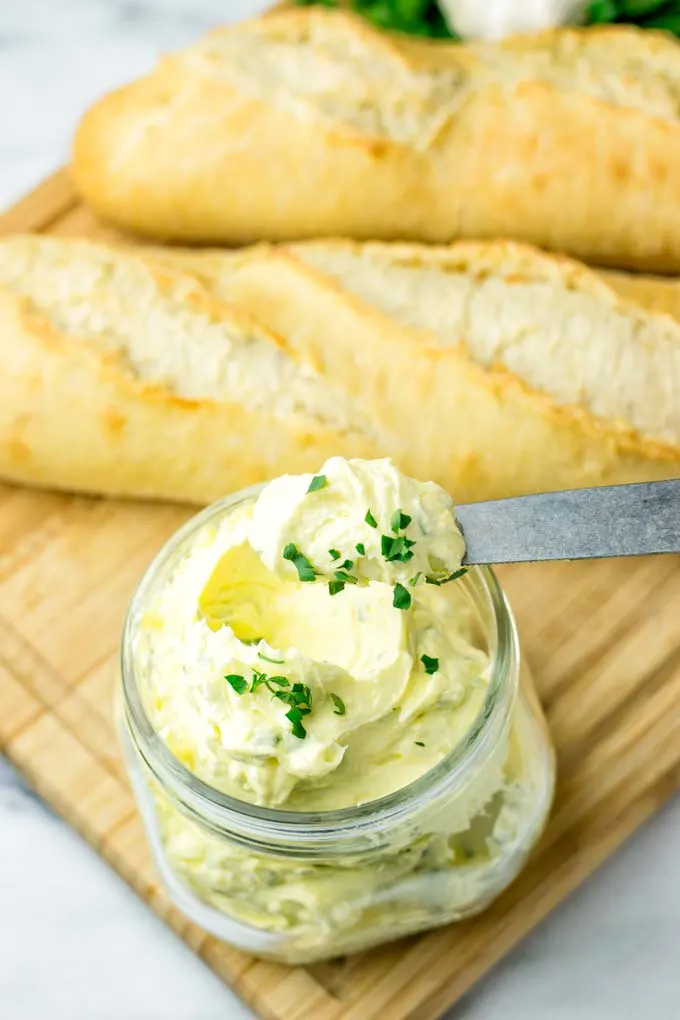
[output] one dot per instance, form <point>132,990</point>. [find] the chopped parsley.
<point>370,519</point>
<point>334,554</point>
<point>268,658</point>
<point>396,549</point>
<point>445,580</point>
<point>261,678</point>
<point>346,565</point>
<point>456,574</point>
<point>298,697</point>
<point>399,521</point>
<point>419,743</point>
<point>430,663</point>
<point>304,568</point>
<point>317,482</point>
<point>339,704</point>
<point>295,716</point>
<point>342,575</point>
<point>360,548</point>
<point>237,683</point>
<point>335,587</point>
<point>414,580</point>
<point>402,597</point>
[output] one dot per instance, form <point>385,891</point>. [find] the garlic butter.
<point>316,654</point>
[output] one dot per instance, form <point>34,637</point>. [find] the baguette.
<point>120,377</point>
<point>491,368</point>
<point>311,123</point>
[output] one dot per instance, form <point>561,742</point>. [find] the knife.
<point>576,524</point>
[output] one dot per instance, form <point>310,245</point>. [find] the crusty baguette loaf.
<point>491,368</point>
<point>119,377</point>
<point>310,123</point>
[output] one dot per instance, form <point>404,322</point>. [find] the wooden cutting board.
<point>603,638</point>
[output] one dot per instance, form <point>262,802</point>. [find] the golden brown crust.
<point>72,415</point>
<point>569,140</point>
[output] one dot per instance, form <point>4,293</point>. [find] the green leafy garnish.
<point>346,565</point>
<point>399,521</point>
<point>342,575</point>
<point>419,743</point>
<point>339,704</point>
<point>237,683</point>
<point>335,587</point>
<point>659,14</point>
<point>299,698</point>
<point>456,574</point>
<point>360,548</point>
<point>430,663</point>
<point>370,519</point>
<point>417,17</point>
<point>334,554</point>
<point>402,597</point>
<point>268,658</point>
<point>304,568</point>
<point>425,18</point>
<point>317,482</point>
<point>445,580</point>
<point>261,678</point>
<point>295,715</point>
<point>396,548</point>
<point>416,577</point>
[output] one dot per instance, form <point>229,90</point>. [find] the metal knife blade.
<point>612,520</point>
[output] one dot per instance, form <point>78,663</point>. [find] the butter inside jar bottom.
<point>411,789</point>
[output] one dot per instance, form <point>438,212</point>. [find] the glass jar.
<point>298,886</point>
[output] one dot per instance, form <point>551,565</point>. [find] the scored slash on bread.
<point>311,123</point>
<point>491,368</point>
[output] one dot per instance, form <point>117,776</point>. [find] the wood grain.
<point>603,639</point>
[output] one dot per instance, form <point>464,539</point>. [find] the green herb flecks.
<point>360,548</point>
<point>425,17</point>
<point>415,17</point>
<point>413,581</point>
<point>270,682</point>
<point>342,575</point>
<point>430,663</point>
<point>317,482</point>
<point>295,716</point>
<point>456,574</point>
<point>657,14</point>
<point>335,587</point>
<point>396,548</point>
<point>399,521</point>
<point>370,519</point>
<point>237,683</point>
<point>268,658</point>
<point>339,704</point>
<point>304,568</point>
<point>402,597</point>
<point>445,580</point>
<point>299,698</point>
<point>334,554</point>
<point>419,743</point>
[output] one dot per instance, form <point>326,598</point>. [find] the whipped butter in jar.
<point>330,734</point>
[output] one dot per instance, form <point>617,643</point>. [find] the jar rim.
<point>225,811</point>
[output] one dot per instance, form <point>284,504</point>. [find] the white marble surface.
<point>75,943</point>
